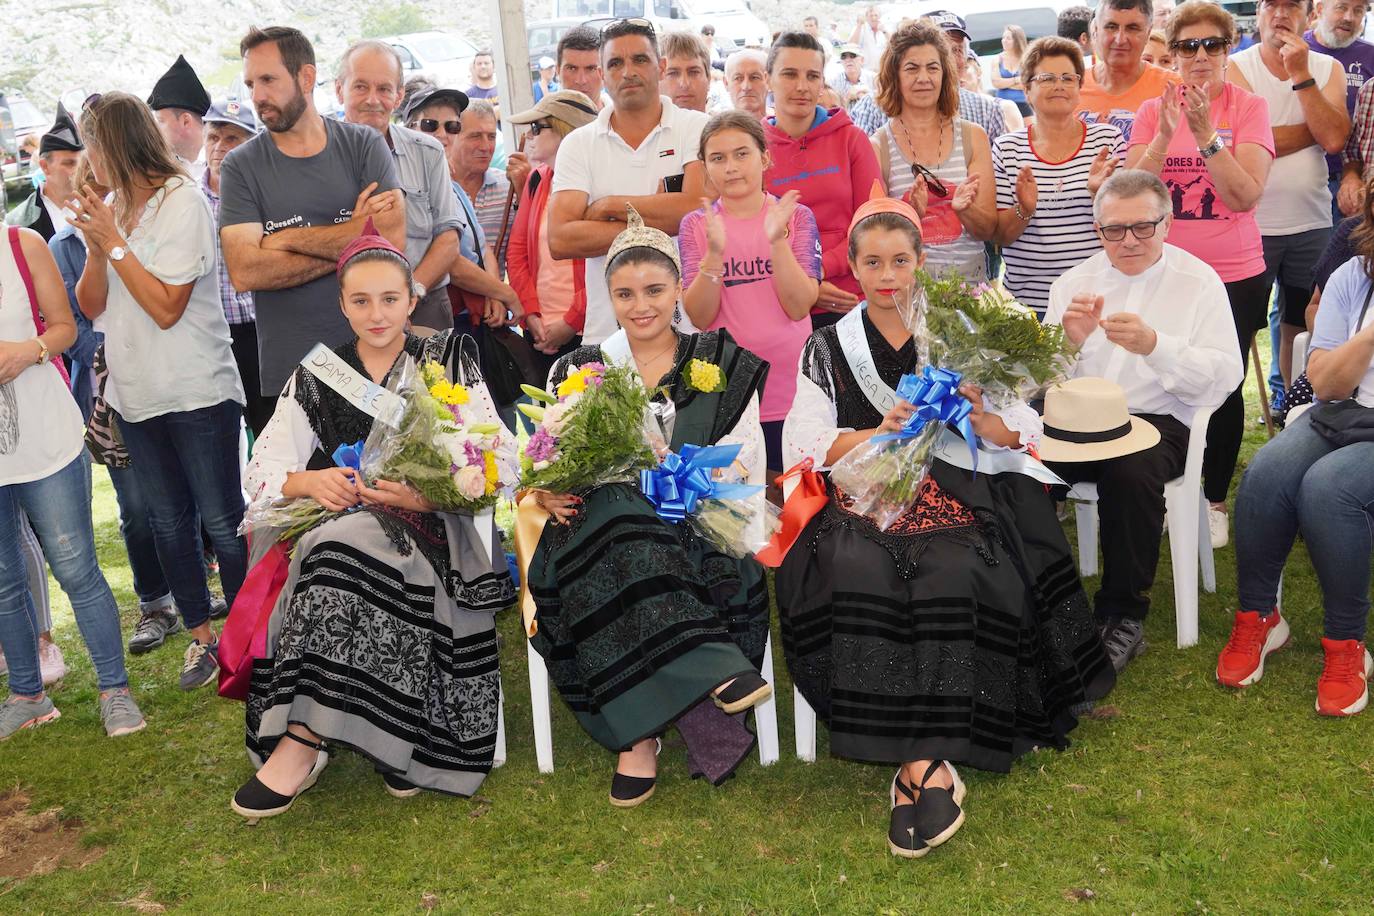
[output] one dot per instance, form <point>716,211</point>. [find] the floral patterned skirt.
<point>371,649</point>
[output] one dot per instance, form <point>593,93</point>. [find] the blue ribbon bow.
<point>935,395</point>
<point>681,481</point>
<point>349,456</point>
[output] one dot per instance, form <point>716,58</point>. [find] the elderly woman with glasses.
<point>1211,144</point>
<point>1047,175</point>
<point>930,157</point>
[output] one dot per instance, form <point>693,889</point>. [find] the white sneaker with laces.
<point>50,662</point>
<point>1219,524</point>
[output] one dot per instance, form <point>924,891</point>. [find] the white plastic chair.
<point>765,713</point>
<point>1300,346</point>
<point>803,716</point>
<point>1189,535</point>
<point>485,523</point>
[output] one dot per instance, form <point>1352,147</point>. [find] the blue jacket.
<point>71,261</point>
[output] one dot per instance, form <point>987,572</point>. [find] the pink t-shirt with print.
<point>749,307</point>
<point>1204,226</point>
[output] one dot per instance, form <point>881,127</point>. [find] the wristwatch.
<point>117,253</point>
<point>420,289</point>
<point>43,354</point>
<point>1211,149</point>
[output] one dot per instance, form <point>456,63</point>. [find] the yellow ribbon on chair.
<point>530,519</point>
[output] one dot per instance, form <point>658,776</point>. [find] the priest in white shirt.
<point>1155,320</point>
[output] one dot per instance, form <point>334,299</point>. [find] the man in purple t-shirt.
<point>1337,34</point>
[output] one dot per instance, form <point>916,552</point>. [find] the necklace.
<point>641,364</point>
<point>939,144</point>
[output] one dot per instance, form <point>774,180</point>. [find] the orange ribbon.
<point>808,498</point>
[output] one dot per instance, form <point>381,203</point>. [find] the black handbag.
<point>1346,422</point>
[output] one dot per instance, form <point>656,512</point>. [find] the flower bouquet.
<point>964,335</point>
<point>695,487</point>
<point>595,429</point>
<point>433,442</point>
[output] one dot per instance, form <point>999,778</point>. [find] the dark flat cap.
<point>62,136</point>
<point>180,88</point>
<point>429,96</point>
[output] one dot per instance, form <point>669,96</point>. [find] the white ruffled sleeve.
<point>285,446</point>
<point>811,427</point>
<point>1021,419</point>
<point>748,434</point>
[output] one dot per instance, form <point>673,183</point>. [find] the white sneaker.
<point>50,662</point>
<point>4,665</point>
<point>1219,524</point>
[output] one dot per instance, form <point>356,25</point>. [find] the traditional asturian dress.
<point>382,639</point>
<point>637,619</point>
<point>961,633</point>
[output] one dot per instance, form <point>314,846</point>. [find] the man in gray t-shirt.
<point>292,198</point>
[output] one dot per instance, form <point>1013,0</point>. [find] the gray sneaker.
<point>153,629</point>
<point>17,713</point>
<point>121,714</point>
<point>202,664</point>
<point>219,608</point>
<point>1124,639</point>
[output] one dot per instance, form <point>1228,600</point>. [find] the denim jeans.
<point>187,463</point>
<point>1300,482</point>
<point>59,508</point>
<point>136,527</point>
<point>37,568</point>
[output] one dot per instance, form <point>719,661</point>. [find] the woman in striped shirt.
<point>1047,175</point>
<point>932,158</point>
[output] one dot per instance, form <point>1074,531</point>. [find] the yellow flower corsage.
<point>705,377</point>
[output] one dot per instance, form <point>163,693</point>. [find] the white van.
<point>444,57</point>
<point>736,27</point>
<point>735,24</point>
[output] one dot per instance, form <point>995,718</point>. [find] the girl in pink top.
<point>751,263</point>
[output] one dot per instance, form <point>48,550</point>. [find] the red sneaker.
<point>1253,637</point>
<point>1343,688</point>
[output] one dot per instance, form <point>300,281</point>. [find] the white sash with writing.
<point>616,349</point>
<point>354,387</point>
<point>950,447</point>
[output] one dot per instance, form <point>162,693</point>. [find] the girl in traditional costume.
<point>382,639</point>
<point>643,624</point>
<point>960,634</point>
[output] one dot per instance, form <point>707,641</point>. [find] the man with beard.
<point>642,151</point>
<point>746,78</point>
<point>370,86</point>
<point>179,102</point>
<point>293,197</point>
<point>686,69</point>
<point>1337,34</point>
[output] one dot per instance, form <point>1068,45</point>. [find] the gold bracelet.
<point>1149,151</point>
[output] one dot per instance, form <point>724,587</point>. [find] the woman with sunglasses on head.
<point>554,293</point>
<point>932,158</point>
<point>1047,175</point>
<point>1211,144</point>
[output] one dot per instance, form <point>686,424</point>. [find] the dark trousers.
<point>243,340</point>
<point>1130,507</point>
<point>136,527</point>
<point>188,463</point>
<point>1250,309</point>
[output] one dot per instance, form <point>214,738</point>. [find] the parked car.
<point>735,24</point>
<point>19,119</point>
<point>542,37</point>
<point>444,57</point>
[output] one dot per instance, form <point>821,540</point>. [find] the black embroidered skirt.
<point>638,620</point>
<point>950,641</point>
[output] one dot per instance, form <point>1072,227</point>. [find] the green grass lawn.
<point>1183,797</point>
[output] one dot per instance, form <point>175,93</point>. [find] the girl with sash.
<point>381,639</point>
<point>644,625</point>
<point>961,634</point>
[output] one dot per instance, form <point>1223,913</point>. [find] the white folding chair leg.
<point>1183,549</point>
<point>485,523</point>
<point>499,758</point>
<point>804,724</point>
<point>1085,513</point>
<point>1204,548</point>
<point>543,713</point>
<point>766,713</point>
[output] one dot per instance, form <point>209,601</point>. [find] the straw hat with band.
<point>567,105</point>
<point>1086,420</point>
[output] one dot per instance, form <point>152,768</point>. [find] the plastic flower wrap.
<point>964,335</point>
<point>293,517</point>
<point>439,446</point>
<point>699,486</point>
<point>595,429</point>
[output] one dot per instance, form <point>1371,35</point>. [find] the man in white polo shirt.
<point>641,150</point>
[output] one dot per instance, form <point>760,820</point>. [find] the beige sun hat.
<point>1086,420</point>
